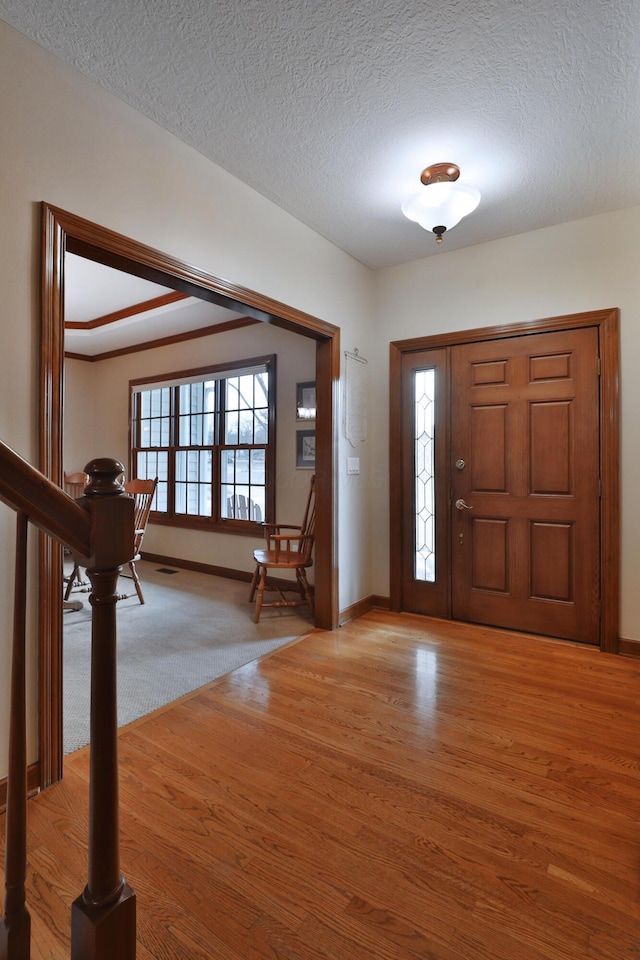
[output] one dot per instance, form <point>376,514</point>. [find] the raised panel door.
<point>525,545</point>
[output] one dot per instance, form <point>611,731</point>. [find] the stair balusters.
<point>99,529</point>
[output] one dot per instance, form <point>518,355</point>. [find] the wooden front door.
<point>514,441</point>
<point>525,478</point>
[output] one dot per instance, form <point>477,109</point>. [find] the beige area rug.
<point>192,629</point>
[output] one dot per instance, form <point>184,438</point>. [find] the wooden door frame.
<point>607,323</point>
<point>62,232</point>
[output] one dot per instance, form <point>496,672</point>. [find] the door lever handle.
<point>461,505</point>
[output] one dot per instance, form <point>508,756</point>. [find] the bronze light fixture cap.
<point>440,173</point>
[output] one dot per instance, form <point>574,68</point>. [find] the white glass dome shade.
<point>442,201</point>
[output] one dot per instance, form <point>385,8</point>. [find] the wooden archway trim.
<point>62,232</point>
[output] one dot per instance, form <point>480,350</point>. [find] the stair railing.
<point>99,528</point>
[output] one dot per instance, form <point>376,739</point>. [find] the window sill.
<point>242,528</point>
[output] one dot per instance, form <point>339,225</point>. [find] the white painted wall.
<point>590,264</point>
<point>68,142</point>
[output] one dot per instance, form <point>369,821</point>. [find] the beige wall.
<point>66,141</point>
<point>590,264</point>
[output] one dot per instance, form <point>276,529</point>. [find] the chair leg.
<point>260,595</point>
<point>302,579</point>
<point>75,575</point>
<point>136,580</point>
<point>254,583</point>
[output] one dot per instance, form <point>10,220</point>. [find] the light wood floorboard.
<point>400,788</point>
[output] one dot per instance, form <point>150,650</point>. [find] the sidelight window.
<point>424,477</point>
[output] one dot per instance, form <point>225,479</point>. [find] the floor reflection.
<point>426,680</point>
<point>250,685</point>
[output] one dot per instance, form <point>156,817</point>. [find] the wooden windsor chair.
<point>74,484</point>
<point>286,551</point>
<point>143,492</point>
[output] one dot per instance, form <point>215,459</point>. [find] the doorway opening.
<point>64,232</point>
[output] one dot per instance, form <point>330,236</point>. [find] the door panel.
<point>552,581</point>
<point>490,559</point>
<point>488,451</point>
<point>550,466</point>
<point>525,422</point>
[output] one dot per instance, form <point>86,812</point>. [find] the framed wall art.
<point>306,400</point>
<point>305,449</point>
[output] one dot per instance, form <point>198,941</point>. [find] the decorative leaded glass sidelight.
<point>425,548</point>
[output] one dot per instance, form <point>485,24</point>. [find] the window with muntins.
<point>208,435</point>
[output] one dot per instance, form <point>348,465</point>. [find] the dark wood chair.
<point>286,551</point>
<point>74,484</point>
<point>143,492</point>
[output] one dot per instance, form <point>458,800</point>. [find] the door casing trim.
<point>607,323</point>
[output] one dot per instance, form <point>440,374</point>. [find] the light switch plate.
<point>353,464</point>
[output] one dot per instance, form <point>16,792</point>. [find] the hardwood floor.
<point>399,788</point>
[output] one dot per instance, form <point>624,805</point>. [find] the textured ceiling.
<point>331,108</point>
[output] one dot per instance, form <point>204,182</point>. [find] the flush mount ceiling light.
<point>444,203</point>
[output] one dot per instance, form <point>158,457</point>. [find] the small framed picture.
<point>306,400</point>
<point>305,449</point>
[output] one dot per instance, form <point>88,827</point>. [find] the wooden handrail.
<point>99,529</point>
<point>45,505</point>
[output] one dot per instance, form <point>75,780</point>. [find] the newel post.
<point>103,918</point>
